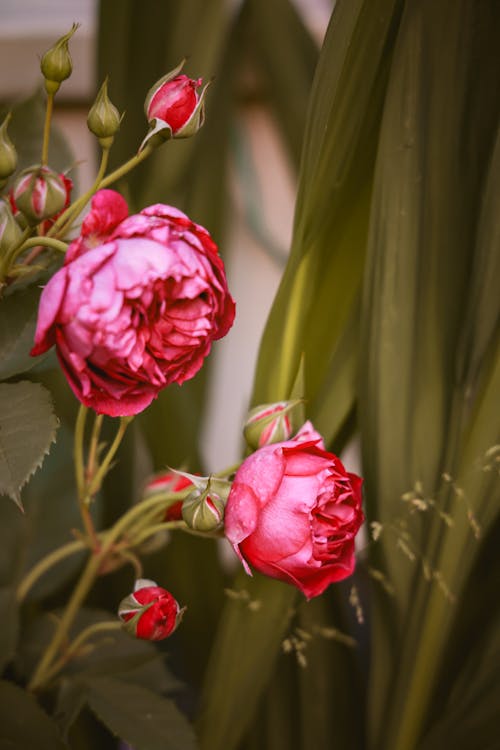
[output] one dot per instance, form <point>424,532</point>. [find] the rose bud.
<point>8,153</point>
<point>150,612</point>
<point>10,233</point>
<point>56,64</point>
<point>137,311</point>
<point>40,193</point>
<point>293,513</point>
<point>203,509</point>
<point>174,108</point>
<point>168,481</point>
<point>269,423</point>
<point>103,119</point>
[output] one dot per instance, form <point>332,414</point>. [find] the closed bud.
<point>8,153</point>
<point>56,64</point>
<point>174,107</point>
<point>103,120</point>
<point>203,509</point>
<point>40,193</point>
<point>150,613</point>
<point>269,423</point>
<point>10,232</point>
<point>167,481</point>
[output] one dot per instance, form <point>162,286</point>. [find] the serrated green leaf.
<point>139,716</point>
<point>10,626</point>
<point>27,428</point>
<point>23,724</point>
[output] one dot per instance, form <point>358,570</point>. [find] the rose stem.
<point>46,128</point>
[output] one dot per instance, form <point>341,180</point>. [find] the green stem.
<point>7,260</point>
<point>72,211</point>
<point>158,527</point>
<point>96,481</point>
<point>97,627</point>
<point>94,442</point>
<point>46,128</point>
<point>63,223</point>
<point>45,564</point>
<point>130,164</point>
<point>83,587</point>
<point>78,449</point>
<point>51,242</point>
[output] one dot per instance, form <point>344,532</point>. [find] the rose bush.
<point>136,305</point>
<point>293,513</point>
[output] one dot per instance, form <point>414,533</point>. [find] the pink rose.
<point>293,513</point>
<point>136,305</point>
<point>150,612</point>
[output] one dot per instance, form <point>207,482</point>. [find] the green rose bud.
<point>104,119</point>
<point>203,509</point>
<point>56,64</point>
<point>8,153</point>
<point>10,232</point>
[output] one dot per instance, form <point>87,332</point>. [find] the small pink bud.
<point>168,481</point>
<point>174,107</point>
<point>269,423</point>
<point>40,193</point>
<point>150,612</point>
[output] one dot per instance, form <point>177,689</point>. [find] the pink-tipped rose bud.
<point>269,423</point>
<point>203,508</point>
<point>40,193</point>
<point>168,481</point>
<point>135,307</point>
<point>174,107</point>
<point>150,612</point>
<point>293,513</point>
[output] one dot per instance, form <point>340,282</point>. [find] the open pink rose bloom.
<point>136,305</point>
<point>293,513</point>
